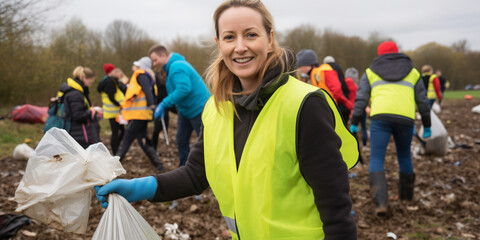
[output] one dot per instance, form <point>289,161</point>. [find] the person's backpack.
<point>57,116</point>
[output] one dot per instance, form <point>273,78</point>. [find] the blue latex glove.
<point>353,128</point>
<point>414,130</point>
<point>159,111</point>
<point>427,132</point>
<point>135,189</point>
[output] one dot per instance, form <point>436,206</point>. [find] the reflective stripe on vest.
<point>393,97</point>
<point>134,107</point>
<point>111,110</point>
<point>431,94</point>
<point>261,199</point>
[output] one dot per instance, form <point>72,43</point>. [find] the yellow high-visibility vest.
<point>393,97</point>
<point>111,110</point>
<point>267,198</point>
<point>134,107</point>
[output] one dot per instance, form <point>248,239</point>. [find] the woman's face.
<point>244,43</point>
<point>88,81</point>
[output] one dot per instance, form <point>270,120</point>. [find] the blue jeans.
<point>380,132</point>
<point>185,128</point>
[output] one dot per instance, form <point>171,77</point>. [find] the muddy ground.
<point>446,201</point>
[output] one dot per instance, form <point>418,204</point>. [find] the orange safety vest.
<point>134,107</point>
<point>318,77</point>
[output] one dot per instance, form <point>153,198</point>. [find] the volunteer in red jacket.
<point>323,76</point>
<point>393,86</point>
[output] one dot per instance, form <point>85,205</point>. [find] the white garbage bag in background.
<point>437,144</point>
<point>56,188</point>
<point>23,152</point>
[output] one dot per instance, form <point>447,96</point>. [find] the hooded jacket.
<point>185,87</point>
<point>392,67</point>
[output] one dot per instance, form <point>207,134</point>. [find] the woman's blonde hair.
<point>219,78</point>
<point>83,72</point>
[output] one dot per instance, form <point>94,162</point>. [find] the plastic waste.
<point>436,107</point>
<point>122,222</point>
<point>56,188</point>
<point>476,109</point>
<point>392,235</point>
<point>11,223</point>
<point>352,175</point>
<point>173,233</point>
<point>173,205</point>
<point>23,152</point>
<point>438,142</point>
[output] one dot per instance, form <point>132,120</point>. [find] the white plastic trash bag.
<point>476,109</point>
<point>57,186</point>
<point>436,107</point>
<point>437,143</point>
<point>23,152</point>
<point>122,222</point>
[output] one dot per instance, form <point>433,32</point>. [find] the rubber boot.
<point>378,190</point>
<point>154,159</point>
<point>406,185</point>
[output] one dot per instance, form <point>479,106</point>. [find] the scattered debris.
<point>173,233</point>
<point>392,235</point>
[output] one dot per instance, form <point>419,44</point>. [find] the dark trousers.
<point>136,129</point>
<point>118,131</point>
<point>363,124</point>
<point>345,113</point>
<point>184,132</point>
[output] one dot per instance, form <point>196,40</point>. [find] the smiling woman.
<point>274,150</point>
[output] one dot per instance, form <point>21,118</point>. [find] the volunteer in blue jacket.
<point>274,150</point>
<point>186,90</point>
<point>393,86</point>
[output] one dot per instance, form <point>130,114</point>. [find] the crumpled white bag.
<point>122,222</point>
<point>22,152</point>
<point>437,144</point>
<point>56,188</point>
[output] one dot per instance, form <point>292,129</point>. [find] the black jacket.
<point>109,86</point>
<point>318,153</point>
<point>84,128</point>
<point>392,67</point>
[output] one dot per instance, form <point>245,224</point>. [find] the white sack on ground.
<point>59,179</point>
<point>437,143</point>
<point>436,107</point>
<point>122,222</point>
<point>23,152</point>
<point>476,109</point>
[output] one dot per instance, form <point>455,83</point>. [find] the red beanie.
<point>108,67</point>
<point>387,47</point>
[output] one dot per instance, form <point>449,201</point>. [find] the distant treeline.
<point>32,67</point>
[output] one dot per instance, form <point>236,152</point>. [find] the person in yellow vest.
<point>137,109</point>
<point>113,93</point>
<point>432,84</point>
<point>273,149</point>
<point>393,86</point>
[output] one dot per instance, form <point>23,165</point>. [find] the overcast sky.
<point>411,23</point>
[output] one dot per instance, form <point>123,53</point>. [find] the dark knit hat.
<point>306,57</point>
<point>108,67</point>
<point>387,47</point>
